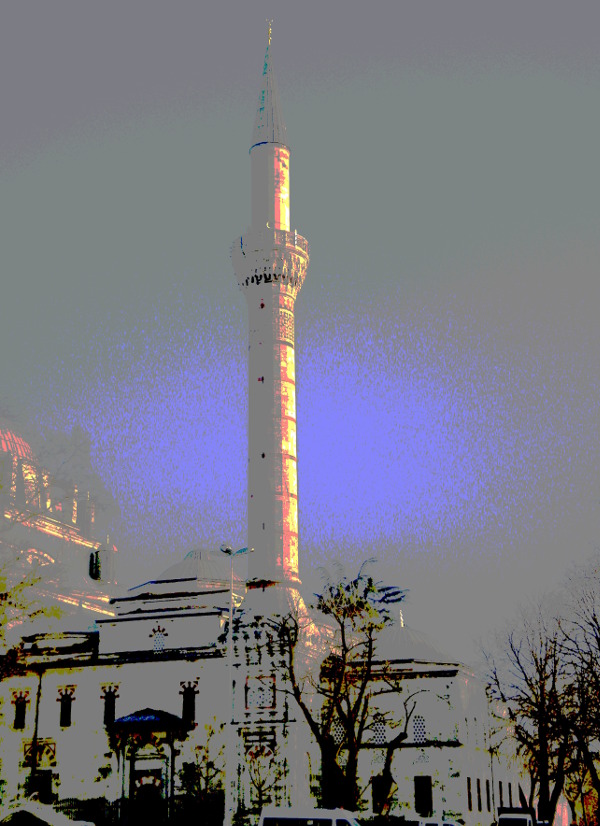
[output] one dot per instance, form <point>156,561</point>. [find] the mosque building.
<point>107,720</point>
<point>49,528</point>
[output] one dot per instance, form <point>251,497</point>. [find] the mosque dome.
<point>399,642</point>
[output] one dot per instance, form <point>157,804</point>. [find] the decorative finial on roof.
<point>270,27</point>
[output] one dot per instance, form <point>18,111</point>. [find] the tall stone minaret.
<point>270,263</point>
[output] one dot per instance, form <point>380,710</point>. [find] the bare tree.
<point>525,673</point>
<point>206,774</point>
<point>577,786</point>
<point>580,627</point>
<point>17,605</point>
<point>339,702</point>
<point>265,771</point>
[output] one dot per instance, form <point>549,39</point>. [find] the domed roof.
<point>11,441</point>
<point>209,572</point>
<point>399,642</point>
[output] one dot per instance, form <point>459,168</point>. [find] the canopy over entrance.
<point>150,719</point>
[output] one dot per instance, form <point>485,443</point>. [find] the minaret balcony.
<point>270,255</point>
<point>274,239</point>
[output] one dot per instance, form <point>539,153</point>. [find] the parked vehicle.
<point>30,811</point>
<point>304,816</point>
<point>512,816</point>
<point>437,823</point>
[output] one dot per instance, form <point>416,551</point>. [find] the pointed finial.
<point>270,28</point>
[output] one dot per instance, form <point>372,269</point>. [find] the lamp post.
<point>230,742</point>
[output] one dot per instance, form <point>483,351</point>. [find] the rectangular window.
<point>510,794</point>
<point>423,796</point>
<point>20,710</point>
<point>488,797</point>
<point>478,795</point>
<point>109,708</point>
<point>66,702</point>
<point>260,692</point>
<point>500,793</point>
<point>188,711</point>
<point>469,795</point>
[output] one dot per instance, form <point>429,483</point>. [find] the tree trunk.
<point>543,768</point>
<point>352,794</point>
<point>333,780</point>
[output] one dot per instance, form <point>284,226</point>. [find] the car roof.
<point>303,811</point>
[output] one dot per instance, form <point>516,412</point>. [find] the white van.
<point>304,816</point>
<point>437,823</point>
<point>516,817</point>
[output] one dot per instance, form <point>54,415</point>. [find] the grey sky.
<point>438,149</point>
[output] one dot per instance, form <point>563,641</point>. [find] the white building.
<point>114,714</point>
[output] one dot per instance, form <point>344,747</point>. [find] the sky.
<point>445,172</point>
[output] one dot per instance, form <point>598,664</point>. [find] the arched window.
<point>379,730</point>
<point>158,635</point>
<point>339,733</point>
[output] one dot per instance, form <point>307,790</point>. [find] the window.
<point>423,796</point>
<point>94,566</point>
<point>110,696</point>
<point>478,795</point>
<point>510,794</point>
<point>188,705</point>
<point>66,703</point>
<point>20,711</point>
<point>419,729</point>
<point>338,731</point>
<point>488,797</point>
<point>379,730</point>
<point>260,692</point>
<point>500,793</point>
<point>469,795</point>
<point>158,635</point>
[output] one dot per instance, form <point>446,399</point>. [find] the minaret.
<point>270,263</point>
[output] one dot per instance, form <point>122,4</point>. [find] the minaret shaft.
<point>270,170</point>
<point>270,263</point>
<point>272,461</point>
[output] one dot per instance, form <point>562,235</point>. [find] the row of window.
<point>488,796</point>
<point>66,697</point>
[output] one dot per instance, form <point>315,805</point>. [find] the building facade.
<point>49,527</point>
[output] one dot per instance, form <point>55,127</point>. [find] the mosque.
<point>49,528</point>
<point>113,717</point>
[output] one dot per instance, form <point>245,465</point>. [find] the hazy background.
<point>445,171</point>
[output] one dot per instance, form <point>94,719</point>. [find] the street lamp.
<point>230,742</point>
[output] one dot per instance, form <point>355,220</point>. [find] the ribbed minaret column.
<point>270,263</point>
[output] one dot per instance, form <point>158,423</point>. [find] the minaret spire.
<point>268,126</point>
<point>270,263</point>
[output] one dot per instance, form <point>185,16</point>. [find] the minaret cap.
<point>268,126</point>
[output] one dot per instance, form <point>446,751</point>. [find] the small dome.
<point>401,642</point>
